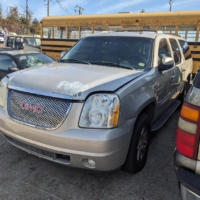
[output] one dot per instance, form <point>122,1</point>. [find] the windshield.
<point>35,59</point>
<point>32,41</point>
<point>134,52</point>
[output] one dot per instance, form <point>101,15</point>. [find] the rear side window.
<point>175,50</point>
<point>186,50</point>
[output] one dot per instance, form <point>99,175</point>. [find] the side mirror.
<point>63,53</point>
<point>167,63</point>
<point>13,69</point>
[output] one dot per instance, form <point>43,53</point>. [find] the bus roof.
<point>138,18</point>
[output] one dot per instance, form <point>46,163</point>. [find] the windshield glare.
<point>35,59</point>
<point>132,52</point>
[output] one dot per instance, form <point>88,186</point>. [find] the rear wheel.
<point>138,149</point>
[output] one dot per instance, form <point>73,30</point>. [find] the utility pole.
<point>48,5</point>
<point>26,16</point>
<point>0,11</point>
<point>170,3</point>
<point>79,10</point>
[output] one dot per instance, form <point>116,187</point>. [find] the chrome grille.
<point>54,109</point>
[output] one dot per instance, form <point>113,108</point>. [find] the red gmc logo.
<point>33,108</point>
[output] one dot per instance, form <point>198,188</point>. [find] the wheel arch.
<point>148,109</point>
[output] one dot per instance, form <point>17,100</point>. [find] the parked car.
<point>11,61</point>
<point>2,36</point>
<point>187,154</point>
<point>25,42</point>
<point>96,107</point>
<point>1,39</point>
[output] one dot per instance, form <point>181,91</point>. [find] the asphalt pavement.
<point>26,177</point>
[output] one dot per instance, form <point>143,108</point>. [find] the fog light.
<point>91,163</point>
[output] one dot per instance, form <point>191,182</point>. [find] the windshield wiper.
<point>111,64</point>
<point>71,60</point>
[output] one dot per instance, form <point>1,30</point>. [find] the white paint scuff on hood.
<point>72,88</point>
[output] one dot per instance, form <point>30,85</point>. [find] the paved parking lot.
<point>27,177</point>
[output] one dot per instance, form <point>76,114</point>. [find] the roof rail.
<point>154,31</point>
<point>173,34</point>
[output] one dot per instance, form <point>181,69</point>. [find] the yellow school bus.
<point>60,33</point>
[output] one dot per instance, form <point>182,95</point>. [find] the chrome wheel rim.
<point>142,145</point>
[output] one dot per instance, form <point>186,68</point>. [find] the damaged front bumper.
<point>96,149</point>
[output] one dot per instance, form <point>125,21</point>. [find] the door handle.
<point>173,77</point>
<point>182,70</point>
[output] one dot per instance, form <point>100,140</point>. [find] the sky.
<point>67,7</point>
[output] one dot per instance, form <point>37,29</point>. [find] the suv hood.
<point>74,80</point>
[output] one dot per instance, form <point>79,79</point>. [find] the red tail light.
<point>187,134</point>
<point>185,143</point>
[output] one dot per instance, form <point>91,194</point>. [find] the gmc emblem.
<point>33,108</point>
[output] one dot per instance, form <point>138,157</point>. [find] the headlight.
<point>100,111</point>
<point>3,88</point>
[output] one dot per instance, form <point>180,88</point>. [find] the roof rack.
<point>173,34</point>
<point>154,31</point>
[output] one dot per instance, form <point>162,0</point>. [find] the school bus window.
<point>73,32</point>
<point>131,28</point>
<point>114,28</point>
<point>86,30</point>
<point>149,28</point>
<point>175,50</point>
<point>47,32</point>
<point>188,32</point>
<point>60,32</point>
<point>168,28</point>
<point>99,29</point>
<point>199,37</point>
<point>185,48</point>
<point>163,50</point>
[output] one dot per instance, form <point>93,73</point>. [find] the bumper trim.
<point>183,161</point>
<point>187,194</point>
<point>190,180</point>
<point>48,155</point>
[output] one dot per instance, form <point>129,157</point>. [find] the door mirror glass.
<point>12,69</point>
<point>167,63</point>
<point>63,53</point>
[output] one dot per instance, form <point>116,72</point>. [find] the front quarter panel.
<point>135,96</point>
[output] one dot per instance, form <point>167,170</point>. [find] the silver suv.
<point>187,153</point>
<point>96,107</point>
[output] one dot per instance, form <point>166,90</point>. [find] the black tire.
<point>134,163</point>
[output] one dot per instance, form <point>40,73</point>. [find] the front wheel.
<point>138,149</point>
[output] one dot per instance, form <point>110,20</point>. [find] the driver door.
<point>163,89</point>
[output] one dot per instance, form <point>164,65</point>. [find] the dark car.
<point>187,153</point>
<point>11,61</point>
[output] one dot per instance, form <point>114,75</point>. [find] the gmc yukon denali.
<point>97,106</point>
